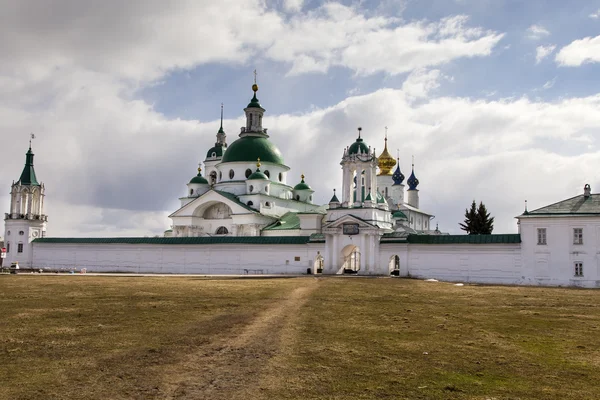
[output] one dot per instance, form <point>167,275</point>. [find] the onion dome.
<point>359,146</point>
<point>385,161</point>
<point>199,178</point>
<point>412,181</point>
<point>257,174</point>
<point>399,215</point>
<point>398,176</point>
<point>302,185</point>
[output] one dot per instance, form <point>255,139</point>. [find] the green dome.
<point>254,103</point>
<point>251,148</point>
<point>358,146</point>
<point>302,185</point>
<point>218,150</point>
<point>258,175</point>
<point>199,179</point>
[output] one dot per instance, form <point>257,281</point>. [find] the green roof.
<point>399,214</point>
<point>258,175</point>
<point>302,185</point>
<point>28,175</point>
<point>287,221</point>
<point>254,103</point>
<point>465,239</point>
<point>205,240</point>
<point>199,179</point>
<point>334,199</point>
<point>251,148</point>
<point>218,150</point>
<point>358,146</point>
<point>578,205</point>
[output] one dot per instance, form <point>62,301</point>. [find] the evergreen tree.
<point>470,219</point>
<point>484,222</point>
<point>477,220</point>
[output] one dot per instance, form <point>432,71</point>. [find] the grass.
<point>85,337</point>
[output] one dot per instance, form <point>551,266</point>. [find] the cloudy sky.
<point>499,101</point>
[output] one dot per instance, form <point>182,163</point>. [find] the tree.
<point>477,220</point>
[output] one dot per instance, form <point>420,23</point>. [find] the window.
<point>8,233</point>
<point>267,189</point>
<point>250,203</point>
<point>249,121</point>
<point>541,234</point>
<point>251,188</point>
<point>578,268</point>
<point>220,176</point>
<point>231,174</point>
<point>280,177</point>
<point>20,248</point>
<point>297,197</point>
<point>8,247</point>
<point>268,174</point>
<point>21,233</point>
<point>310,198</point>
<point>222,231</point>
<point>267,204</point>
<point>248,173</point>
<point>296,258</point>
<point>577,235</point>
<point>191,192</point>
<point>213,178</point>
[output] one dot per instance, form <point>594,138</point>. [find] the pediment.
<point>349,219</point>
<point>210,200</point>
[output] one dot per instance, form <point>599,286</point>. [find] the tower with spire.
<point>215,153</point>
<point>26,220</point>
<point>385,180</point>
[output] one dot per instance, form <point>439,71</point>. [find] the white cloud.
<point>147,39</point>
<point>293,5</point>
<point>549,84</point>
<point>421,82</point>
<point>536,32</point>
<point>542,52</point>
<point>578,52</point>
<point>595,15</point>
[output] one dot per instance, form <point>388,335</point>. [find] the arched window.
<point>310,198</point>
<point>220,176</point>
<point>267,204</point>
<point>222,231</point>
<point>396,262</point>
<point>8,247</point>
<point>386,192</point>
<point>191,192</point>
<point>298,197</point>
<point>250,203</point>
<point>267,189</point>
<point>248,173</point>
<point>280,177</point>
<point>231,174</point>
<point>251,188</point>
<point>249,121</point>
<point>213,177</point>
<point>268,174</point>
<point>213,154</point>
<point>20,248</point>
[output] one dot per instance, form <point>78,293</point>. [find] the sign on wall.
<point>350,229</point>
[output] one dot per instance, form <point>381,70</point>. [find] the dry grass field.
<point>86,337</point>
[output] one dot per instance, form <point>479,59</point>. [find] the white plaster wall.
<point>178,259</point>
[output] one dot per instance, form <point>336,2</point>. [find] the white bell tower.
<point>26,220</point>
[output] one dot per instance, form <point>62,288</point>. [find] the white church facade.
<point>244,217</point>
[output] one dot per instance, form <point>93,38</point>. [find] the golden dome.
<point>386,162</point>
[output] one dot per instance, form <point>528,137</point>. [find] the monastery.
<point>249,215</point>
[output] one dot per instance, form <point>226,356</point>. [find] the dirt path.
<point>232,367</point>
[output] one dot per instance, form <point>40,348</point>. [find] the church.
<point>247,213</point>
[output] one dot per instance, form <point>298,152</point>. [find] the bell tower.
<point>26,220</point>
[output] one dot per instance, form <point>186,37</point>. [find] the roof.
<point>302,185</point>
<point>251,148</point>
<point>28,175</point>
<point>465,239</point>
<point>412,181</point>
<point>199,179</point>
<point>287,221</point>
<point>399,214</point>
<point>578,205</point>
<point>358,147</point>
<point>254,103</point>
<point>205,240</point>
<point>236,199</point>
<point>258,175</point>
<point>217,149</point>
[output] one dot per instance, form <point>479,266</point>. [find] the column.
<point>359,185</point>
<point>363,254</point>
<point>345,184</point>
